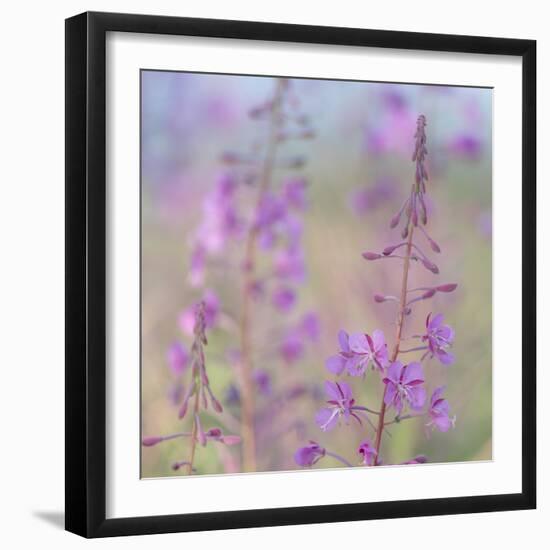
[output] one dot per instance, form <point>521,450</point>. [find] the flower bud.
<point>430,266</point>
<point>448,287</point>
<point>231,439</point>
<point>185,404</point>
<point>423,210</point>
<point>214,433</point>
<point>371,256</point>
<point>177,465</point>
<point>201,436</point>
<point>414,217</point>
<point>216,404</point>
<point>150,441</point>
<point>394,222</point>
<point>390,249</point>
<point>434,246</point>
<point>183,409</point>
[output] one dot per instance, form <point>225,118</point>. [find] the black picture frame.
<point>86,273</point>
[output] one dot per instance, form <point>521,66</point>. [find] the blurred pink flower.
<point>284,299</point>
<point>178,357</point>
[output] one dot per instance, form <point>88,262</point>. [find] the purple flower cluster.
<point>279,229</point>
<point>293,345</point>
<point>220,223</point>
<point>402,385</point>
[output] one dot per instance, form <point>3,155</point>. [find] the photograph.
<point>316,274</point>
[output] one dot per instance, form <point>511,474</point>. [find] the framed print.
<point>300,274</point>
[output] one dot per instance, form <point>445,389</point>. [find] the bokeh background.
<point>359,170</point>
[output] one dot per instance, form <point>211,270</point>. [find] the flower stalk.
<point>398,332</point>
<point>403,384</point>
<point>245,326</point>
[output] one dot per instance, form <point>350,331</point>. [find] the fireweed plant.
<point>198,397</point>
<point>402,382</point>
<point>253,216</point>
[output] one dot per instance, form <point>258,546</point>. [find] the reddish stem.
<point>398,334</point>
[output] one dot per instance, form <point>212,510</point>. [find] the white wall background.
<point>32,270</point>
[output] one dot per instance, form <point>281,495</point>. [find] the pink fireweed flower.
<point>404,385</point>
<point>341,403</point>
<point>290,264</point>
<point>263,382</point>
<point>337,363</point>
<point>366,350</point>
<point>310,326</point>
<point>367,452</point>
<point>309,455</point>
<point>439,337</point>
<point>272,209</point>
<point>283,298</point>
<point>439,412</point>
<point>220,222</point>
<point>197,265</point>
<point>294,193</point>
<point>291,348</point>
<point>292,230</point>
<point>178,357</point>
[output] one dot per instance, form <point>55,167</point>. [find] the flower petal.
<point>445,357</point>
<point>327,419</point>
<point>345,389</point>
<point>413,374</point>
<point>358,343</point>
<point>332,391</point>
<point>437,394</point>
<point>378,340</point>
<point>343,340</point>
<point>356,365</point>
<point>394,372</point>
<point>435,322</point>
